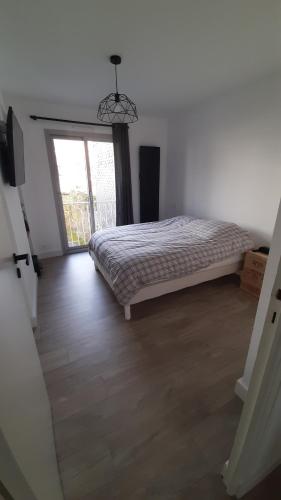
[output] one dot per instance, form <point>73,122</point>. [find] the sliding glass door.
<point>74,192</point>
<point>83,175</point>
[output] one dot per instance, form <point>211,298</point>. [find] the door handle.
<point>273,317</point>
<point>22,256</point>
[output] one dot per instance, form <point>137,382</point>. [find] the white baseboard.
<point>241,389</point>
<point>50,254</point>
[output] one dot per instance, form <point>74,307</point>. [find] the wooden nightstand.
<point>251,277</point>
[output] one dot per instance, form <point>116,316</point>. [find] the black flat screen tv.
<point>15,167</point>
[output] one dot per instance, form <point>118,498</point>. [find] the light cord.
<point>116,84</point>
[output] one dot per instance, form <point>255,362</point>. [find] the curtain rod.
<point>36,117</point>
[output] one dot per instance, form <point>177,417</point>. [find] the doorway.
<point>83,174</point>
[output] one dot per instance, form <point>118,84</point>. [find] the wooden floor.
<point>142,409</point>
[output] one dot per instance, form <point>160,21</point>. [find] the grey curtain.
<point>124,206</point>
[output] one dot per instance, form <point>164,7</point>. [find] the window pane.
<point>71,163</point>
<point>103,183</point>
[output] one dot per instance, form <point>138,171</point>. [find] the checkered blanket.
<point>138,255</point>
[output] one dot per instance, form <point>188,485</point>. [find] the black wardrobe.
<point>149,173</point>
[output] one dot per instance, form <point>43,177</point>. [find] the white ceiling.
<point>174,51</point>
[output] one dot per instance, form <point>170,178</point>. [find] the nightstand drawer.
<point>255,261</point>
<point>253,290</point>
<point>252,277</point>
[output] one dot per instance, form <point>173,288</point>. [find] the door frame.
<point>255,423</point>
<point>50,135</point>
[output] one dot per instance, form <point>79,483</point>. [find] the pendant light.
<point>115,107</point>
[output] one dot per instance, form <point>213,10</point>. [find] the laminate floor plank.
<point>143,409</point>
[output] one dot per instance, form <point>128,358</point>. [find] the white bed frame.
<point>228,266</point>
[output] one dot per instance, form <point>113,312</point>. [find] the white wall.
<point>38,192</point>
<point>224,158</point>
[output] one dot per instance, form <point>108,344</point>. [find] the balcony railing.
<point>105,214</point>
<point>78,220</point>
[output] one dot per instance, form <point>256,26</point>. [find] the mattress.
<point>139,255</point>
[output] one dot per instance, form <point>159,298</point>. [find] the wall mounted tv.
<point>15,150</point>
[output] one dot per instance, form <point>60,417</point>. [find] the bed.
<point>143,261</point>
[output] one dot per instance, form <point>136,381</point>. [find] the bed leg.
<point>127,310</point>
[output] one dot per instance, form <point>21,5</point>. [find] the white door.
<point>274,310</point>
<point>256,450</point>
<point>21,246</point>
<point>25,419</point>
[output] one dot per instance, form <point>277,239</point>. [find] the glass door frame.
<point>50,135</point>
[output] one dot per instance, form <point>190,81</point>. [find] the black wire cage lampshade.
<point>115,107</point>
